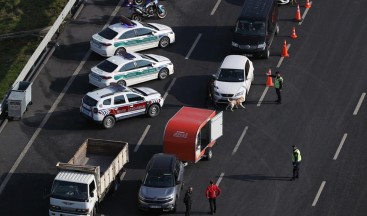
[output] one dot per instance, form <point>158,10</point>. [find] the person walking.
<point>296,160</point>
<point>211,193</point>
<point>278,84</point>
<point>188,200</point>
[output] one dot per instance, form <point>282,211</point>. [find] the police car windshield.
<point>250,28</point>
<point>107,66</point>
<point>148,57</point>
<point>138,91</point>
<point>231,75</point>
<point>108,33</point>
<point>159,180</point>
<point>149,26</point>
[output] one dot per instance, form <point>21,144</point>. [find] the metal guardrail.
<point>40,48</point>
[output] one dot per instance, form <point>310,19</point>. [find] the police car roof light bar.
<point>118,87</point>
<point>127,22</point>
<point>127,55</point>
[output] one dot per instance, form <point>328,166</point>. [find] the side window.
<point>107,102</point>
<point>247,68</point>
<point>92,187</point>
<point>134,97</point>
<point>127,35</point>
<point>143,31</point>
<point>120,99</point>
<point>177,169</point>
<point>142,63</point>
<point>127,67</point>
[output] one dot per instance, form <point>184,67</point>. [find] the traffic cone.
<point>269,81</point>
<point>285,50</point>
<point>294,35</point>
<point>298,14</point>
<point>307,5</point>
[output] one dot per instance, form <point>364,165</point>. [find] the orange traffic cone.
<point>294,35</point>
<point>269,81</point>
<point>307,5</point>
<point>285,50</point>
<point>298,14</point>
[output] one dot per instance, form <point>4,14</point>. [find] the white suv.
<point>115,102</point>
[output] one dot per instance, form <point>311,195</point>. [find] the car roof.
<point>256,9</point>
<point>107,91</point>
<point>162,162</point>
<point>126,57</point>
<point>234,62</point>
<point>122,27</point>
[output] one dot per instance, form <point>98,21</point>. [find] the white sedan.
<point>131,36</point>
<point>233,79</point>
<point>129,69</point>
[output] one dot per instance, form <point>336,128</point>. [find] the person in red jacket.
<point>211,193</point>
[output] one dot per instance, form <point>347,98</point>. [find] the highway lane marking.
<point>215,7</point>
<point>282,58</point>
<point>340,146</point>
<point>3,125</point>
<point>359,103</point>
<point>54,106</point>
<point>304,14</point>
<point>193,46</point>
<point>169,88</point>
<point>239,141</point>
<point>262,96</point>
<point>220,178</point>
<point>142,138</point>
<point>318,193</point>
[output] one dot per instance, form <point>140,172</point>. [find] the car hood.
<point>248,40</point>
<point>228,87</point>
<point>152,193</point>
<point>148,91</point>
<point>160,26</point>
<point>159,58</point>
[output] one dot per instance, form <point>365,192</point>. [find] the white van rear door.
<point>216,127</point>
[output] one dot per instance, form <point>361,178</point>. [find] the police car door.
<point>127,73</point>
<point>120,107</point>
<point>146,37</point>
<point>128,40</point>
<point>137,104</point>
<point>146,71</point>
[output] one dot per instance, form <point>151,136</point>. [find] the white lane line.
<point>141,138</point>
<point>318,193</point>
<point>220,178</point>
<point>169,88</point>
<point>215,7</point>
<point>193,46</point>
<point>282,58</point>
<point>239,141</point>
<point>304,14</point>
<point>3,125</point>
<point>359,103</point>
<point>54,105</point>
<point>262,96</point>
<point>340,146</point>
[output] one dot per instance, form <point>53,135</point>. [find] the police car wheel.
<point>138,2</point>
<point>108,122</point>
<point>277,30</point>
<point>163,73</point>
<point>122,82</point>
<point>164,42</point>
<point>208,153</point>
<point>120,51</point>
<point>153,110</point>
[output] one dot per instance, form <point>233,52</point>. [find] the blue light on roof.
<point>118,87</point>
<point>127,55</point>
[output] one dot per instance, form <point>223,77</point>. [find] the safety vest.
<point>277,82</point>
<point>299,158</point>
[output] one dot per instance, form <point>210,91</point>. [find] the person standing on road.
<point>296,160</point>
<point>211,193</point>
<point>278,84</point>
<point>188,201</point>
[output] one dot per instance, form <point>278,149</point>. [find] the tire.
<point>208,153</point>
<point>122,82</point>
<point>116,185</point>
<point>137,17</point>
<point>153,110</point>
<point>277,30</point>
<point>108,122</point>
<point>164,42</point>
<point>138,2</point>
<point>175,206</point>
<point>163,14</point>
<point>267,54</point>
<point>120,51</point>
<point>163,74</point>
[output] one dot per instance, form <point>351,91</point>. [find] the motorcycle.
<point>151,9</point>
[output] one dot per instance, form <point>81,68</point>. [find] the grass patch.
<point>22,15</point>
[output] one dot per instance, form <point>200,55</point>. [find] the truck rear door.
<point>216,126</point>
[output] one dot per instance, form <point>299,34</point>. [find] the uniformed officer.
<point>278,84</point>
<point>188,201</point>
<point>296,160</point>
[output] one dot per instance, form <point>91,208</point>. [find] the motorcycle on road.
<point>151,9</point>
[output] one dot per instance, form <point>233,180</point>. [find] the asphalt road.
<point>324,80</point>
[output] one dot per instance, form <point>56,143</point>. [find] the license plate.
<point>155,207</point>
<point>86,112</point>
<point>96,44</point>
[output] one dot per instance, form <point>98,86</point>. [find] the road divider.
<point>318,193</point>
<point>142,138</point>
<point>169,88</point>
<point>220,178</point>
<point>215,7</point>
<point>340,146</point>
<point>359,103</point>
<point>239,141</point>
<point>193,46</point>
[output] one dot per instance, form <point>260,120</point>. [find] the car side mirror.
<point>178,182</point>
<point>214,76</point>
<point>92,194</point>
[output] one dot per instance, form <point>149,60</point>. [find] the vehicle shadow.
<point>258,177</point>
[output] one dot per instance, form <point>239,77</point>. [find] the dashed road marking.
<point>262,96</point>
<point>340,146</point>
<point>220,178</point>
<point>239,140</point>
<point>304,14</point>
<point>282,58</point>
<point>318,193</point>
<point>193,46</point>
<point>169,88</point>
<point>359,103</point>
<point>142,138</point>
<point>215,7</point>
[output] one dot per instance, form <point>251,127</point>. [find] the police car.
<point>131,36</point>
<point>129,69</point>
<point>114,102</point>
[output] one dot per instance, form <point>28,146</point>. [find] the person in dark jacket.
<point>188,200</point>
<point>211,193</point>
<point>278,86</point>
